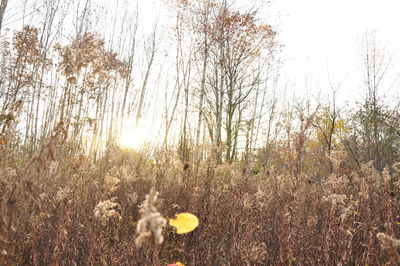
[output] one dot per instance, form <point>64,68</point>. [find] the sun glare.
<point>137,138</point>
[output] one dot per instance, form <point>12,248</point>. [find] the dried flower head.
<point>388,242</point>
<point>63,193</point>
<point>335,199</point>
<point>151,224</point>
<point>106,210</point>
<point>111,182</point>
<point>132,197</point>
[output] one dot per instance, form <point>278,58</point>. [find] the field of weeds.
<point>58,209</point>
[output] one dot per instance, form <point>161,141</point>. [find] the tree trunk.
<point>3,6</point>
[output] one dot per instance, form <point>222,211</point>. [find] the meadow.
<point>59,209</point>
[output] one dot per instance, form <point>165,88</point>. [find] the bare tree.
<point>3,6</point>
<point>151,51</point>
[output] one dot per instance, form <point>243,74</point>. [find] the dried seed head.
<point>106,210</point>
<point>111,182</point>
<point>388,242</point>
<point>151,224</point>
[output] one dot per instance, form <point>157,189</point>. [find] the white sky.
<point>324,34</point>
<point>317,35</point>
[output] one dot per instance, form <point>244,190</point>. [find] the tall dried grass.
<point>58,209</point>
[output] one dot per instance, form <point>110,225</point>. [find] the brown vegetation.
<point>50,211</point>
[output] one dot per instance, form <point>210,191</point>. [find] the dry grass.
<point>60,209</point>
<point>63,208</point>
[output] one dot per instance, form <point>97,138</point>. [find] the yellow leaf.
<point>176,264</point>
<point>184,222</point>
<point>2,141</point>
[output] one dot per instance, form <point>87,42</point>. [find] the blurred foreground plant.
<point>150,226</point>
